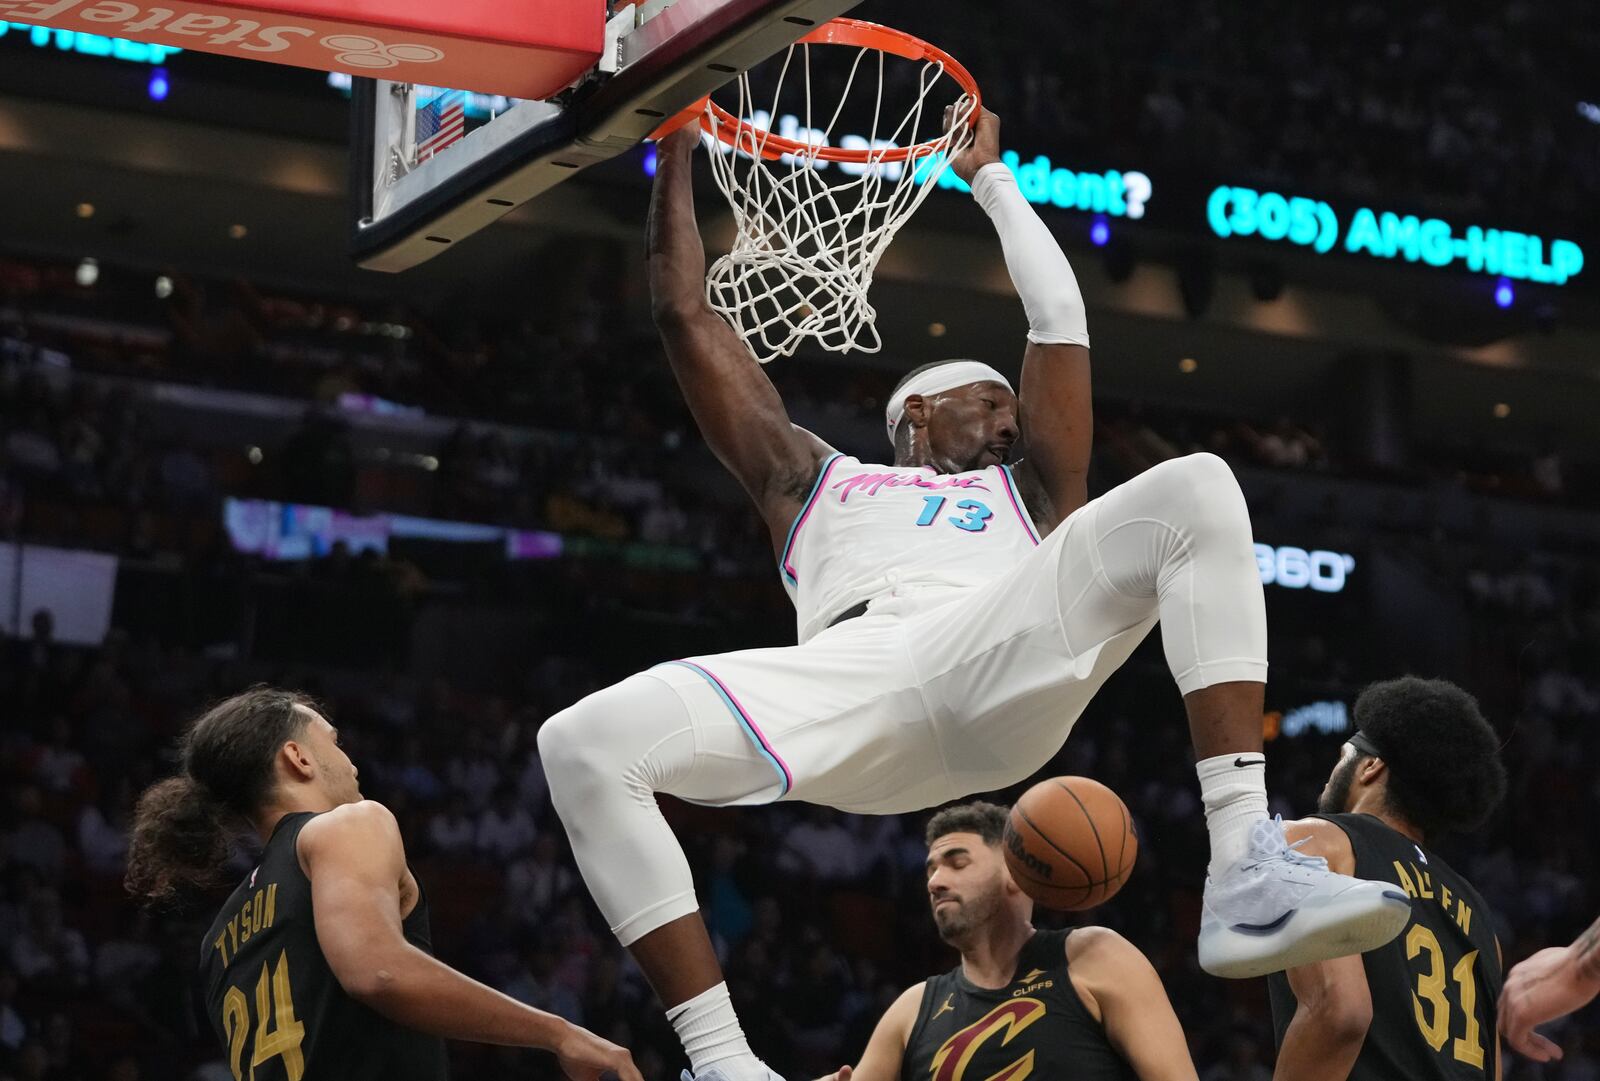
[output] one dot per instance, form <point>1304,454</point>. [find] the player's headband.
<point>1358,739</point>
<point>957,373</point>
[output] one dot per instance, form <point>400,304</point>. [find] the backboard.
<point>419,185</point>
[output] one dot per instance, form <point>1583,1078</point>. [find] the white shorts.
<point>925,698</point>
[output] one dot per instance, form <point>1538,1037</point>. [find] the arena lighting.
<point>1188,365</point>
<point>936,330</point>
<point>88,272</point>
<point>160,86</point>
<point>238,232</point>
<point>1100,233</point>
<point>1504,294</point>
<point>650,160</point>
<point>1501,410</point>
<point>163,287</point>
<point>85,210</point>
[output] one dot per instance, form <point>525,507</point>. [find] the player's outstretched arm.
<point>1057,411</point>
<point>1333,1003</point>
<point>1122,986</point>
<point>1550,984</point>
<point>735,405</point>
<point>356,861</point>
<point>887,1048</point>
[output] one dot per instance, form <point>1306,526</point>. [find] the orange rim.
<point>854,32</point>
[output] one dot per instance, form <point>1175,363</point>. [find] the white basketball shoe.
<point>1277,908</point>
<point>716,1073</point>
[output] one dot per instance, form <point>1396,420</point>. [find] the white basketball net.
<point>809,233</point>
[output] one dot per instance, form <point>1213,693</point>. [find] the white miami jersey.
<point>870,531</point>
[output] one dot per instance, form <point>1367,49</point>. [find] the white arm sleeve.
<point>1039,269</point>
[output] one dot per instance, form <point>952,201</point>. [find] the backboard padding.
<point>680,55</point>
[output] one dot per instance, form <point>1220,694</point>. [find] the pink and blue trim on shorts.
<point>750,728</point>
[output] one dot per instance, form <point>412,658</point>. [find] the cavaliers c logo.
<point>1009,1018</point>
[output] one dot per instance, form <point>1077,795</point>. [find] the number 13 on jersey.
<point>975,520</point>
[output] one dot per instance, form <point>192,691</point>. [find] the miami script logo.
<point>873,483</point>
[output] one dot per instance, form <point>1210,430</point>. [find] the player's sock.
<point>710,1033</point>
<point>1233,788</point>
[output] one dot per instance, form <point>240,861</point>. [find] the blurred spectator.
<point>505,828</point>
<point>535,882</point>
<point>103,831</point>
<point>820,848</point>
<point>12,1029</point>
<point>33,839</point>
<point>46,953</point>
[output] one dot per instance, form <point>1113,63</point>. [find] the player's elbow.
<point>1344,1019</point>
<point>674,310</point>
<point>371,981</point>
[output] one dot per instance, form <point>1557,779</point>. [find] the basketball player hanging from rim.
<point>946,645</point>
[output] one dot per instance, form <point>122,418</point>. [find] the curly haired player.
<point>319,967</point>
<point>1422,763</point>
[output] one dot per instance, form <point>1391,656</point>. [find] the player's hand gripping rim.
<point>984,149</point>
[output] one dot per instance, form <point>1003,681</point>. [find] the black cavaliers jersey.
<point>1434,988</point>
<point>274,1002</point>
<point>1036,1027</point>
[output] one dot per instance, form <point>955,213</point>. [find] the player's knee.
<point>1205,473</point>
<point>1204,488</point>
<point>603,744</point>
<point>572,749</point>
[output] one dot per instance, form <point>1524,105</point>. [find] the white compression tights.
<point>606,758</point>
<point>1176,538</point>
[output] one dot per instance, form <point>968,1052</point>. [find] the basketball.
<point>1070,843</point>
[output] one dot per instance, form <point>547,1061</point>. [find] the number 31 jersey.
<point>274,1002</point>
<point>871,531</point>
<point>1434,988</point>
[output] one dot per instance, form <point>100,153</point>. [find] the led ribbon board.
<point>1113,192</point>
<point>72,41</point>
<point>1383,234</point>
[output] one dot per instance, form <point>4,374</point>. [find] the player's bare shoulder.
<point>798,482</point>
<point>1099,952</point>
<point>366,824</point>
<point>791,484</point>
<point>1319,837</point>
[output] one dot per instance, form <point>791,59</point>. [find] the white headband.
<point>956,373</point>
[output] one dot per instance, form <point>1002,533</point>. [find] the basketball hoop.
<point>813,219</point>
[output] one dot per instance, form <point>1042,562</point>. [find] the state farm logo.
<point>218,28</point>
<point>359,51</point>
